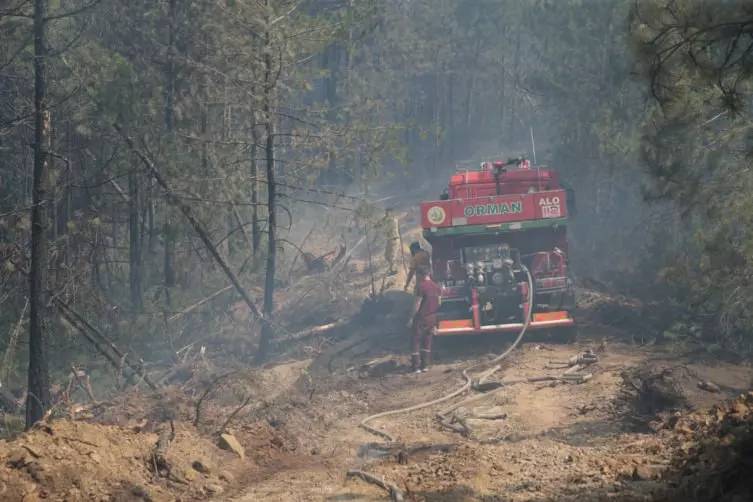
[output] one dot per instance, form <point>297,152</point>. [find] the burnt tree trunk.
<point>450,117</point>
<point>269,148</point>
<point>134,247</point>
<point>502,97</point>
<point>169,230</point>
<point>255,235</point>
<point>148,217</point>
<point>513,117</point>
<point>39,380</point>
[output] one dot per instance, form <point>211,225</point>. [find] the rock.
<point>277,441</point>
<point>709,386</point>
<point>213,489</point>
<point>740,408</point>
<point>72,495</point>
<point>32,451</point>
<point>37,472</point>
<point>646,472</point>
<point>487,386</point>
<point>200,466</point>
<point>140,492</point>
<point>188,475</point>
<point>275,421</point>
<point>226,477</point>
<point>29,495</point>
<point>140,426</point>
<point>683,427</point>
<point>18,458</point>
<point>228,442</point>
<point>488,413</point>
<point>657,425</point>
<point>688,446</point>
<point>379,367</point>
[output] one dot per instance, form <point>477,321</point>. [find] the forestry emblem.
<point>436,215</point>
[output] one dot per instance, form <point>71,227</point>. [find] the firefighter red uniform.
<point>425,319</point>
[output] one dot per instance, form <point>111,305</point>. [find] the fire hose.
<point>469,383</point>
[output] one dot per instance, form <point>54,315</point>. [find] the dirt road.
<point>546,441</point>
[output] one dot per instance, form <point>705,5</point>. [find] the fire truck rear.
<point>498,238</point>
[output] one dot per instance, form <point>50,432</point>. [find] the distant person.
<point>423,319</point>
<point>419,258</point>
<point>392,244</point>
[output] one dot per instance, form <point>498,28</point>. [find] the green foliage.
<point>697,59</point>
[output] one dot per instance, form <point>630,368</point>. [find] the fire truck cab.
<point>486,231</point>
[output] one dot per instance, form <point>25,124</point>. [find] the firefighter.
<point>423,319</point>
<point>393,241</point>
<point>419,258</point>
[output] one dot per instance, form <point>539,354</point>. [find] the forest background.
<point>137,135</point>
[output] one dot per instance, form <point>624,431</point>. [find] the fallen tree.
<point>195,224</point>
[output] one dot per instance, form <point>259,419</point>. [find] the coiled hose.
<point>468,380</point>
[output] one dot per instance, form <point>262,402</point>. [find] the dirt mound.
<point>715,453</point>
<point>108,450</point>
<point>645,321</point>
<point>69,460</point>
<point>648,393</point>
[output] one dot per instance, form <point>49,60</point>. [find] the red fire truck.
<point>499,249</point>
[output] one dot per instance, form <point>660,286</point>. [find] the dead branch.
<point>336,266</point>
<point>11,347</point>
<point>312,331</point>
<point>198,304</point>
<point>237,215</point>
<point>197,226</point>
<point>118,189</point>
<point>235,412</point>
<point>8,402</point>
<point>318,264</point>
<point>402,250</point>
<point>159,454</point>
<point>395,494</point>
<point>298,248</point>
<point>98,346</point>
<point>85,385</point>
<point>443,414</point>
<point>206,392</point>
<point>460,427</point>
<point>87,329</point>
<point>182,370</point>
<point>342,261</point>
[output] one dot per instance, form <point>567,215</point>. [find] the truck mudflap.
<point>543,320</point>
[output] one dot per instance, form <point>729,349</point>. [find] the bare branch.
<point>73,12</point>
<point>15,11</point>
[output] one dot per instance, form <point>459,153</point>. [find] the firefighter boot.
<point>425,359</point>
<point>415,363</point>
